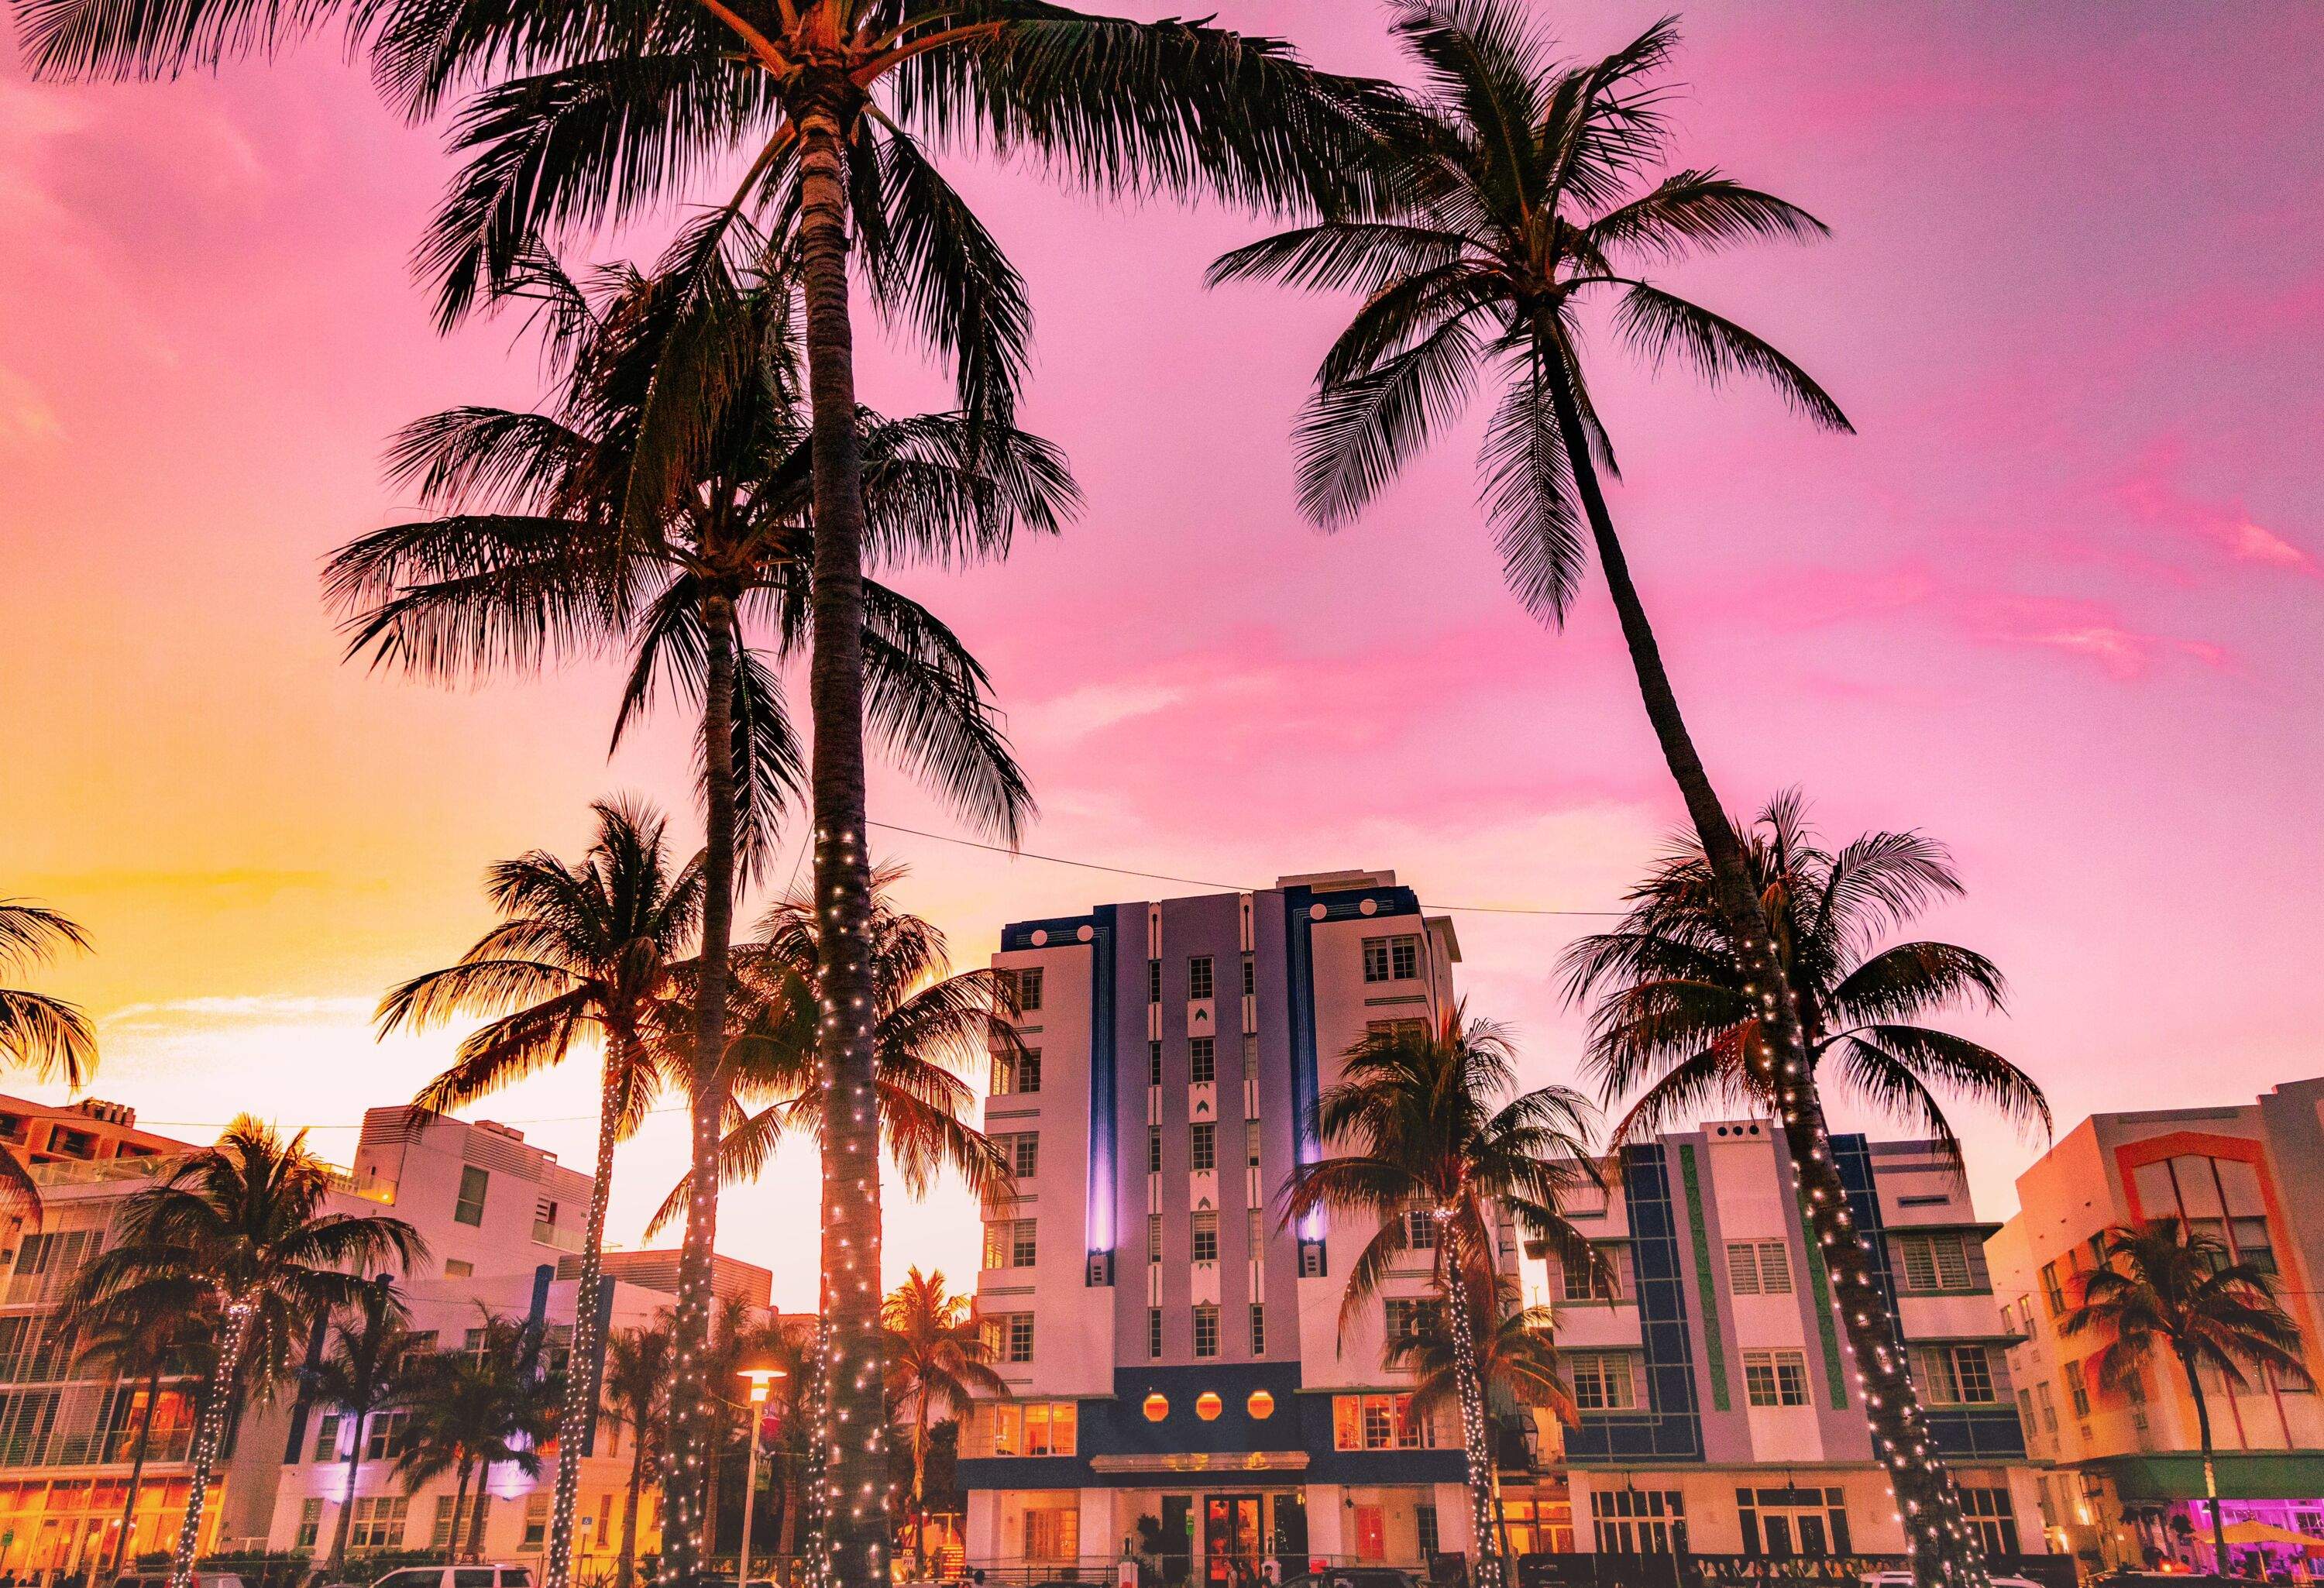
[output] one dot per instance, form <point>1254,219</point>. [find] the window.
<point>1010,1335</point>
<point>1205,1144</point>
<point>1424,1519</point>
<point>1782,1523</point>
<point>1597,1277</point>
<point>2077,1388</point>
<point>1250,1142</point>
<point>1153,1149</point>
<point>1379,1422</point>
<point>1154,1064</point>
<point>1259,1328</point>
<point>1034,1427</point>
<point>1206,1329</point>
<point>1199,980</point>
<point>326,1438</point>
<point>536,1518</point>
<point>1202,1059</point>
<point>1153,1237</point>
<point>1010,1243</point>
<point>1024,987</point>
<point>1153,981</point>
<point>1391,959</point>
<point>1154,1332</point>
<point>2053,1294</point>
<point>1402,1319</point>
<point>2255,1246</point>
<point>1988,1511</point>
<point>1053,1533</point>
<point>1206,1236</point>
<point>1016,1072</point>
<point>1250,976</point>
<point>1601,1381</point>
<point>1955,1375</point>
<point>1024,1154</point>
<point>1939,1262</point>
<point>469,1209</point>
<point>1775,1378</point>
<point>1638,1522</point>
<point>310,1523</point>
<point>1254,1234</point>
<point>1759,1268</point>
<point>1420,1229</point>
<point>1403,1030</point>
<point>378,1522</point>
<point>2025,1422</point>
<point>2049,1409</point>
<point>457,1267</point>
<point>386,1439</point>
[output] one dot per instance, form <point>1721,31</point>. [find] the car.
<point>161,1580</point>
<point>476,1575</point>
<point>1905,1580</point>
<point>1355,1577</point>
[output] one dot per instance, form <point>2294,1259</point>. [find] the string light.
<point>240,1312</point>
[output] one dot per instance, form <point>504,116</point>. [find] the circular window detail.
<point>1207,1406</point>
<point>1157,1407</point>
<point>1261,1406</point>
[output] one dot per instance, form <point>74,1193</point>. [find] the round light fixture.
<point>1261,1406</point>
<point>1157,1407</point>
<point>1207,1406</point>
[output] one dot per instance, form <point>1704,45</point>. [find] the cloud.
<point>262,1009</point>
<point>2154,497</point>
<point>26,416</point>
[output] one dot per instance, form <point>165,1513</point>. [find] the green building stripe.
<point>1714,1350</point>
<point>1820,1286</point>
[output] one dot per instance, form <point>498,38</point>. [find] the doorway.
<point>1231,1539</point>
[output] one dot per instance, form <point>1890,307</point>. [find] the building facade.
<point>2126,1473</point>
<point>1718,1411</point>
<point>1175,1352</point>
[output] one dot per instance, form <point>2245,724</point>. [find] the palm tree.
<point>45,1037</point>
<point>360,1373</point>
<point>1675,1019</point>
<point>494,1401</point>
<point>583,953</point>
<point>149,1347</point>
<point>562,532</point>
<point>2169,1287</point>
<point>636,1395</point>
<point>1521,191</point>
<point>248,1222</point>
<point>1422,1128</point>
<point>938,1363</point>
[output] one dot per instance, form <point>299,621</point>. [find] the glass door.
<point>1230,1540</point>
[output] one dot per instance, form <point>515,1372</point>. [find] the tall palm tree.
<point>1682,1021</point>
<point>46,1037</point>
<point>2167,1287</point>
<point>150,1347</point>
<point>583,954</point>
<point>938,1363</point>
<point>636,1395</point>
<point>247,1221</point>
<point>360,1373</point>
<point>1676,1021</point>
<point>1421,1122</point>
<point>562,532</point>
<point>1522,190</point>
<point>495,1401</point>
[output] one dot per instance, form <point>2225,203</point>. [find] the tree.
<point>1517,193</point>
<point>494,1401</point>
<point>360,1373</point>
<point>564,531</point>
<point>46,1037</point>
<point>2166,1287</point>
<point>637,1396</point>
<point>1675,1019</point>
<point>248,1222</point>
<point>1423,1143</point>
<point>583,954</point>
<point>150,1347</point>
<point>938,1363</point>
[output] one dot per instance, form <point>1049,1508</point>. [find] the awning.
<point>2269,1533</point>
<point>2248,1474</point>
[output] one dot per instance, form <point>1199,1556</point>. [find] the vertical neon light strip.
<point>1103,1062</point>
<point>1304,1081</point>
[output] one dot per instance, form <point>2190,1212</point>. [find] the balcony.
<point>545,1234</point>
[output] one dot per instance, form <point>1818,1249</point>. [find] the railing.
<point>100,1171</point>
<point>545,1234</point>
<point>1725,1571</point>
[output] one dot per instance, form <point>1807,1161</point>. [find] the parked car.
<point>1905,1580</point>
<point>1360,1577</point>
<point>161,1580</point>
<point>479,1574</point>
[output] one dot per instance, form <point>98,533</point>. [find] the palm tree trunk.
<point>920,1490</point>
<point>459,1510</point>
<point>347,1501</point>
<point>2211,1467</point>
<point>136,1471</point>
<point>1943,1548</point>
<point>625,1575</point>
<point>1475,1442</point>
<point>480,1512</point>
<point>226,1380</point>
<point>855,1524</point>
<point>580,1381</point>
<point>682,1472</point>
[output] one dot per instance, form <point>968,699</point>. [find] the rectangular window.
<point>1028,988</point>
<point>1424,1517</point>
<point>1937,1261</point>
<point>386,1435</point>
<point>1025,1154</point>
<point>378,1522</point>
<point>1775,1378</point>
<point>1258,1328</point>
<point>1989,1513</point>
<point>1016,1072</point>
<point>1017,1340</point>
<point>1154,1332</point>
<point>1250,976</point>
<point>469,1209</point>
<point>2049,1409</point>
<point>1402,1318</point>
<point>1206,1329</point>
<point>1206,1236</point>
<point>1250,1060</point>
<point>1254,1234</point>
<point>1420,1229</point>
<point>2255,1248</point>
<point>1601,1381</point>
<point>536,1518</point>
<point>1202,1059</point>
<point>326,1438</point>
<point>1153,1237</point>
<point>1391,959</point>
<point>1154,1064</point>
<point>2077,1388</point>
<point>1759,1268</point>
<point>1593,1278</point>
<point>1379,1422</point>
<point>1153,1149</point>
<point>1153,981</point>
<point>457,1267</point>
<point>2053,1294</point>
<point>1375,959</point>
<point>1199,985</point>
<point>1053,1533</point>
<point>1035,1427</point>
<point>1250,1142</point>
<point>1955,1375</point>
<point>1205,1143</point>
<point>310,1523</point>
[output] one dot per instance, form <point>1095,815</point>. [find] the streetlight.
<point>762,1385</point>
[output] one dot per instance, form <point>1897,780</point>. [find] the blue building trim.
<point>1055,934</point>
<point>1671,1429</point>
<point>596,1366</point>
<point>1972,1433</point>
<point>1104,1232</point>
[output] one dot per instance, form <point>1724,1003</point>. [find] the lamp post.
<point>762,1385</point>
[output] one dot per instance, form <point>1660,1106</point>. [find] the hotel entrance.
<point>1231,1536</point>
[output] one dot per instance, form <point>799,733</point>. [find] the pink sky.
<point>2058,602</point>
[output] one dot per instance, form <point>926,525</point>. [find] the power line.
<point>1123,870</point>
